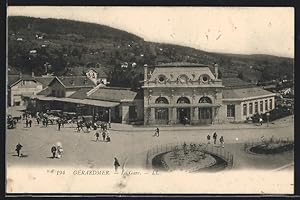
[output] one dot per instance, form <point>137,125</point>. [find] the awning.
<point>197,105</point>
<point>91,102</point>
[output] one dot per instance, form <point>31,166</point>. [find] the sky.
<point>241,30</point>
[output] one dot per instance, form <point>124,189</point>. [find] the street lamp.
<point>268,116</point>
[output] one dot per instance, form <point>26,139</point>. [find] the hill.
<point>59,46</point>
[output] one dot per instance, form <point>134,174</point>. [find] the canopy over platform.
<point>91,102</point>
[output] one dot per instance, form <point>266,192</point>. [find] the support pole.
<point>109,117</point>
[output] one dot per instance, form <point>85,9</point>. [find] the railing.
<point>207,148</point>
<point>264,140</point>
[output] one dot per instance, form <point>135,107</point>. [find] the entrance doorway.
<point>184,114</point>
<point>205,115</point>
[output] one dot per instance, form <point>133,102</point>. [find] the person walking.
<point>60,151</point>
<point>215,137</point>
<point>38,120</point>
<point>260,121</point>
<point>116,164</point>
<point>59,124</point>
<point>53,151</point>
<point>26,123</point>
<point>97,135</point>
<point>103,135</point>
<point>46,122</point>
<point>18,149</point>
<point>208,139</point>
<point>30,122</point>
<point>222,141</point>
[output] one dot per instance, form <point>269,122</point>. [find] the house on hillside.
<point>97,75</point>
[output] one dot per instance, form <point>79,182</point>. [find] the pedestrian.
<point>156,132</point>
<point>59,124</point>
<point>38,120</point>
<point>63,122</point>
<point>222,141</point>
<point>26,123</point>
<point>60,151</point>
<point>103,135</point>
<point>30,122</point>
<point>78,126</point>
<point>116,164</point>
<point>208,139</point>
<point>107,138</point>
<point>97,135</point>
<point>53,151</point>
<point>215,137</point>
<point>18,149</point>
<point>260,121</point>
<point>46,121</point>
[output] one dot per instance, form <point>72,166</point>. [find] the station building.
<point>178,92</point>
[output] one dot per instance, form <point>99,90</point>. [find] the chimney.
<point>32,74</point>
<point>145,72</point>
<point>216,71</point>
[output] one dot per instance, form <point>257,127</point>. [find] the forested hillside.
<point>61,46</point>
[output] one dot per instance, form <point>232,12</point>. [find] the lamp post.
<point>268,116</point>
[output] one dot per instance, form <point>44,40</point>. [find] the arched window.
<point>183,100</point>
<point>161,114</point>
<point>161,100</point>
<point>205,100</point>
<point>183,78</point>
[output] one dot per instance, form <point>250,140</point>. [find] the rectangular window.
<point>256,107</point>
<point>250,108</point>
<point>261,105</point>
<point>244,109</point>
<point>266,105</point>
<point>271,104</point>
<point>230,110</point>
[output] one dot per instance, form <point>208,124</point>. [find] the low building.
<point>21,86</point>
<point>104,103</point>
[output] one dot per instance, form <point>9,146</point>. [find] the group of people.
<point>215,136</point>
<point>57,151</point>
<point>105,135</point>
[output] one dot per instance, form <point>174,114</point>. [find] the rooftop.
<point>113,94</point>
<point>242,93</point>
<point>75,81</point>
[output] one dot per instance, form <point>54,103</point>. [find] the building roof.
<point>245,93</point>
<point>74,81</point>
<point>46,92</point>
<point>234,82</point>
<point>14,79</point>
<point>80,94</point>
<point>45,81</point>
<point>181,64</point>
<point>114,94</point>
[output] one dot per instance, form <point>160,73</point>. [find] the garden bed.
<point>272,148</point>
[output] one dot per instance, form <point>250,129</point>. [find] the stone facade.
<point>176,93</point>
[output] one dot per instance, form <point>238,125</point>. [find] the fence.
<point>210,149</point>
<point>263,140</point>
